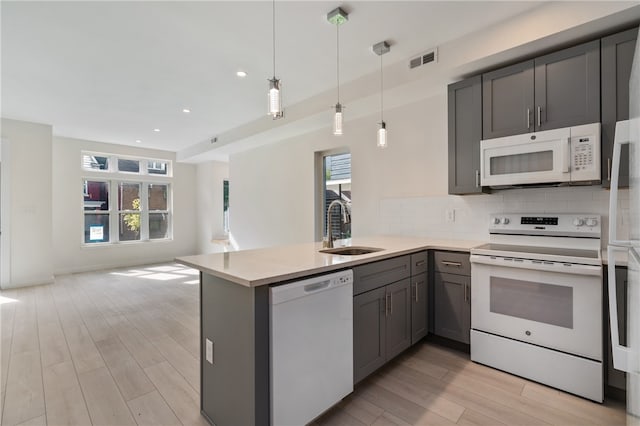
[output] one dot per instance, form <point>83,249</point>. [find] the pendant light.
<point>380,49</point>
<point>275,86</point>
<point>338,17</point>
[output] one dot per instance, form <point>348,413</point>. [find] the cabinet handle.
<point>539,118</point>
<point>420,263</point>
<point>477,178</point>
<point>528,118</point>
<point>609,168</point>
<point>416,284</point>
<point>386,305</point>
<point>466,293</point>
<point>453,264</point>
<point>390,303</point>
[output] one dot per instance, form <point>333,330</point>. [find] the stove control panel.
<point>582,225</point>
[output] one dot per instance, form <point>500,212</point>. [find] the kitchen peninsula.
<point>234,307</point>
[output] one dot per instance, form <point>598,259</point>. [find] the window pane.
<point>157,197</point>
<point>96,228</point>
<point>157,167</point>
<point>128,196</point>
<point>96,195</point>
<point>129,226</point>
<point>132,166</point>
<point>225,206</point>
<point>94,162</point>
<point>158,225</point>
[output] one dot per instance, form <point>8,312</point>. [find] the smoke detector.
<point>425,58</point>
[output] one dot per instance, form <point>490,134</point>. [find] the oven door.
<point>551,305</point>
<point>519,160</point>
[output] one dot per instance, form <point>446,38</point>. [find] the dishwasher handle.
<point>307,287</point>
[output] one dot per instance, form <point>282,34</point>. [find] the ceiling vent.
<point>425,58</point>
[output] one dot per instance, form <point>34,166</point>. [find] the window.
<point>335,184</point>
<point>127,204</point>
<point>225,206</point>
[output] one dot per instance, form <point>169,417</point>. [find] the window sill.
<point>126,243</point>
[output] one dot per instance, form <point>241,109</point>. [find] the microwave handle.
<point>621,138</point>
<point>566,154</point>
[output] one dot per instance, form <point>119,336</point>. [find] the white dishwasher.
<point>311,346</point>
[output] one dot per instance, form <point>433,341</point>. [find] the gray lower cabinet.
<point>452,306</point>
<point>452,295</point>
<point>369,333</point>
<point>556,90</point>
<point>616,61</point>
<point>381,327</point>
<point>419,303</point>
<point>615,378</point>
<point>465,133</point>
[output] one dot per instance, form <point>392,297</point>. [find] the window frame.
<point>114,178</point>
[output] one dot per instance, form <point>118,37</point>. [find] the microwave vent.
<point>423,59</point>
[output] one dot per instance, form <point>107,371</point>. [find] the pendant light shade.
<point>380,49</point>
<point>382,135</point>
<point>337,17</point>
<point>275,86</point>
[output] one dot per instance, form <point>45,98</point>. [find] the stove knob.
<point>496,221</point>
<point>505,220</point>
<point>578,222</point>
<point>592,222</point>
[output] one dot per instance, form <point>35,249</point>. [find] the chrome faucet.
<point>328,241</point>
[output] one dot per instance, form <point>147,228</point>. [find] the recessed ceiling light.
<point>138,141</point>
<point>241,74</point>
<point>156,130</point>
<point>186,110</point>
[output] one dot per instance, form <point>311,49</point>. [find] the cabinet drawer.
<point>419,262</point>
<point>452,263</point>
<point>373,275</point>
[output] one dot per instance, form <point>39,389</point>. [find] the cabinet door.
<point>398,317</point>
<point>617,58</point>
<point>369,332</point>
<point>616,378</point>
<point>419,303</point>
<point>465,133</point>
<point>507,101</point>
<point>567,87</point>
<point>452,306</point>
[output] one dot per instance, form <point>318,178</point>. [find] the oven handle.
<point>574,269</point>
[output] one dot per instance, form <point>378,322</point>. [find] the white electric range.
<point>536,300</point>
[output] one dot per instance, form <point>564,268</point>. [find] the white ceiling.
<point>114,71</point>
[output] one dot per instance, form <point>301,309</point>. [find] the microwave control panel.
<point>582,153</point>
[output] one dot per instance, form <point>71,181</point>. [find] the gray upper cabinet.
<point>617,58</point>
<point>567,87</point>
<point>556,90</point>
<point>507,99</point>
<point>465,133</point>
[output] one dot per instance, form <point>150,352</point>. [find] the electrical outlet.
<point>209,351</point>
<point>451,215</point>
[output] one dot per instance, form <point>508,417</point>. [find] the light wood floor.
<point>121,348</point>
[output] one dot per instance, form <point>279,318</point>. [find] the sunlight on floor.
<point>4,300</point>
<point>162,273</point>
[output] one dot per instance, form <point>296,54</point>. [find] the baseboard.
<point>29,283</point>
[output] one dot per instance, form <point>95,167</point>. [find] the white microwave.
<point>560,156</point>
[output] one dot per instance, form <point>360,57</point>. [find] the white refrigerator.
<point>627,358</point>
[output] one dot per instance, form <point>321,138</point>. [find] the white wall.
<point>69,253</point>
<point>30,203</point>
<point>210,176</point>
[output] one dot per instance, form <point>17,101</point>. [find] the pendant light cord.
<point>274,38</point>
<point>338,58</point>
<point>381,93</point>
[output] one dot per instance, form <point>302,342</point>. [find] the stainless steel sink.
<point>351,251</point>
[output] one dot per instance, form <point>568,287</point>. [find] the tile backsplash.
<point>430,216</point>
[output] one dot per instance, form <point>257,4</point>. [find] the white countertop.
<point>620,258</point>
<point>258,267</point>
